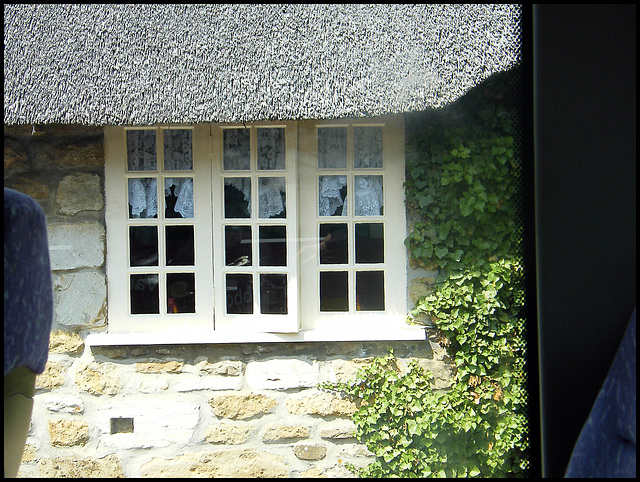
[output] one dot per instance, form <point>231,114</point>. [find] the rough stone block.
<point>160,367</point>
<point>281,374</point>
<point>74,467</point>
<point>321,403</point>
<point>79,192</point>
<point>339,431</point>
<point>52,377</point>
<point>226,367</point>
<point>98,378</point>
<point>310,452</point>
<point>282,433</point>
<point>248,463</point>
<point>64,403</point>
<point>36,189</point>
<point>61,341</point>
<point>228,434</point>
<point>68,433</point>
<point>241,407</point>
<point>80,299</point>
<point>79,245</point>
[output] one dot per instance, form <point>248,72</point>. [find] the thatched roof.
<point>146,64</point>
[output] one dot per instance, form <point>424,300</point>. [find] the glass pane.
<point>237,197</point>
<point>239,294</point>
<point>334,294</point>
<point>272,197</point>
<point>273,294</point>
<point>369,243</point>
<point>143,246</point>
<point>144,294</point>
<point>368,196</point>
<point>332,148</point>
<point>142,194</point>
<point>332,199</point>
<point>273,245</point>
<point>179,246</point>
<point>370,291</point>
<point>141,150</point>
<point>334,244</point>
<point>181,293</point>
<point>237,245</point>
<point>178,196</point>
<point>367,147</point>
<point>236,149</point>
<point>271,148</point>
<point>178,150</point>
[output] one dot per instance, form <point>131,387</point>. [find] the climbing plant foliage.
<point>462,185</point>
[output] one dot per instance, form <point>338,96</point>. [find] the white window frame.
<point>257,321</point>
<point>118,222</point>
<point>393,318</point>
<point>304,321</point>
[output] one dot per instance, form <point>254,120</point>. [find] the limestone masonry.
<point>241,410</point>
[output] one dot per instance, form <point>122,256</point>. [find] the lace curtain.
<point>332,148</point>
<point>271,195</point>
<point>367,147</point>
<point>368,196</point>
<point>178,156</point>
<point>271,149</point>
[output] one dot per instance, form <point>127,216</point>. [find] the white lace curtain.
<point>271,194</point>
<point>178,156</point>
<point>368,196</point>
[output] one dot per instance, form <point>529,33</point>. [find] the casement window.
<point>268,231</point>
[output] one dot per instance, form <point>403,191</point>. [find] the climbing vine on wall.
<point>462,191</point>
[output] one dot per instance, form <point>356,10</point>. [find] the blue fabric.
<point>607,444</point>
<point>28,293</point>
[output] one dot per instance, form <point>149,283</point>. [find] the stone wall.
<point>244,410</point>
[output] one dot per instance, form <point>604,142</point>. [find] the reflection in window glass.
<point>142,194</point>
<point>179,246</point>
<point>369,243</point>
<point>237,197</point>
<point>178,195</point>
<point>239,294</point>
<point>141,150</point>
<point>334,243</point>
<point>271,148</point>
<point>332,199</point>
<point>271,197</point>
<point>273,245</point>
<point>273,294</point>
<point>237,245</point>
<point>144,295</point>
<point>367,147</point>
<point>143,246</point>
<point>332,148</point>
<point>236,149</point>
<point>178,151</point>
<point>181,297</point>
<point>368,196</point>
<point>370,290</point>
<point>334,291</point>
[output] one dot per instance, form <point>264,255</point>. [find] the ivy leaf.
<point>441,251</point>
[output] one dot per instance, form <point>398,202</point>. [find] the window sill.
<point>410,333</point>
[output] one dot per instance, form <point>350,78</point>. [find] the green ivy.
<point>462,185</point>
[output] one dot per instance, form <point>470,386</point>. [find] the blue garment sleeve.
<point>28,293</point>
<point>606,446</point>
